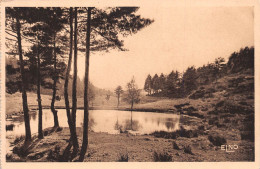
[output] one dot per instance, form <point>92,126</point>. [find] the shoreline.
<point>152,110</point>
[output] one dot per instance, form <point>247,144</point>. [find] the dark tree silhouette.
<point>86,113</point>
<point>118,92</point>
<point>15,13</point>
<point>148,85</point>
<point>72,128</point>
<point>132,93</point>
<point>105,27</point>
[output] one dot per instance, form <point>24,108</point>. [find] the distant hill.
<point>181,85</point>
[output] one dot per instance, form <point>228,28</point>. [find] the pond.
<point>110,121</point>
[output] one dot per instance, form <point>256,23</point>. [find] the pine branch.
<point>109,39</point>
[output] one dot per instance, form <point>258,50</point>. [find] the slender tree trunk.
<point>55,116</point>
<point>66,83</point>
<point>40,133</point>
<point>74,87</point>
<point>132,105</point>
<point>86,113</point>
<point>73,137</point>
<point>24,95</point>
<point>118,96</point>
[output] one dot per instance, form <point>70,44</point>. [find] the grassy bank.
<point>105,147</point>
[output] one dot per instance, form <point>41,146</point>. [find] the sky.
<point>178,38</point>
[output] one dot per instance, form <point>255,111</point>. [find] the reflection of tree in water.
<point>132,125</point>
<point>118,126</point>
<point>33,116</point>
<point>158,121</point>
<point>91,123</point>
<point>170,123</point>
<point>128,125</point>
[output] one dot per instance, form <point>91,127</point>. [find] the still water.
<point>111,121</point>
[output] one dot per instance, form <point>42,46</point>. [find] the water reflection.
<point>133,125</point>
<point>111,121</point>
<point>33,116</point>
<point>91,123</point>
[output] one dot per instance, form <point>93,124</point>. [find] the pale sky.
<point>178,38</point>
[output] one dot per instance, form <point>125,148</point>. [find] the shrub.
<point>226,121</point>
<point>182,132</point>
<point>187,149</point>
<point>123,158</point>
<point>45,133</point>
<point>247,135</point>
<point>164,134</point>
<point>175,146</point>
<point>18,139</point>
<point>9,127</point>
<point>202,127</point>
<point>217,140</point>
<point>59,129</point>
<point>179,106</point>
<point>243,103</point>
<point>162,157</point>
<point>54,155</point>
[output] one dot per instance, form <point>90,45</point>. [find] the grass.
<point>162,157</point>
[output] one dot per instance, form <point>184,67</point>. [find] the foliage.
<point>132,94</point>
<point>148,85</point>
<point>244,59</point>
<point>123,158</point>
<point>181,85</point>
<point>118,92</point>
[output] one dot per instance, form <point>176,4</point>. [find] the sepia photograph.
<point>138,83</point>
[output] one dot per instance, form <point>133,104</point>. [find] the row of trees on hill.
<point>46,40</point>
<point>177,84</point>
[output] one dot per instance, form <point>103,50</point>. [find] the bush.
<point>179,106</point>
<point>221,88</point>
<point>59,129</point>
<point>18,139</point>
<point>9,127</point>
<point>164,134</point>
<point>232,107</point>
<point>217,140</point>
<point>191,108</point>
<point>54,155</point>
<point>162,157</point>
<point>175,146</point>
<point>202,93</point>
<point>187,149</point>
<point>195,114</point>
<point>248,135</point>
<point>182,132</point>
<point>123,158</point>
<point>45,133</point>
<point>202,128</point>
